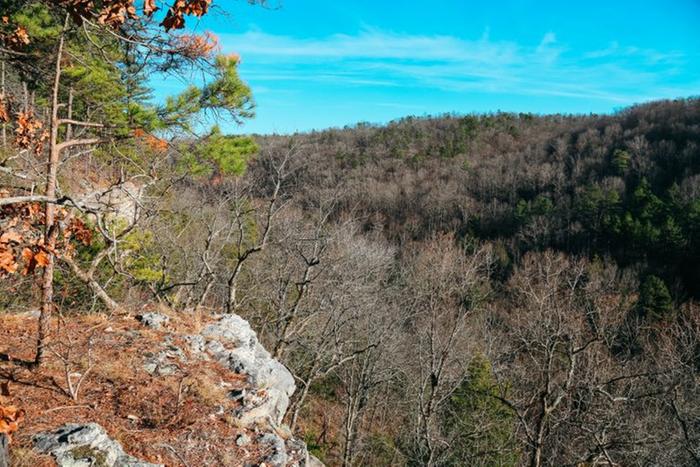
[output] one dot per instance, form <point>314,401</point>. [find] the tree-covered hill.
<point>625,185</point>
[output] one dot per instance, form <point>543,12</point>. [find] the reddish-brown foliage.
<point>156,144</point>
<point>4,112</point>
<point>22,228</point>
<point>10,415</point>
<point>175,18</point>
<point>194,46</point>
<point>29,134</point>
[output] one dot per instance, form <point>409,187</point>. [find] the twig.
<point>172,449</point>
<point>62,407</point>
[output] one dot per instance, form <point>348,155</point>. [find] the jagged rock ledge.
<point>231,342</point>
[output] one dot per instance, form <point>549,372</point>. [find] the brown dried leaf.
<point>7,260</point>
<point>10,236</point>
<point>4,113</point>
<point>149,7</point>
<point>41,258</point>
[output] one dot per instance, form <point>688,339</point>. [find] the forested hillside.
<point>540,292</point>
<point>623,185</point>
<point>496,289</point>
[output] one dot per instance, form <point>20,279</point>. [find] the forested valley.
<point>465,289</point>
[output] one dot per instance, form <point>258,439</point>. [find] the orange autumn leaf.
<point>175,18</point>
<point>29,132</point>
<point>19,37</point>
<point>7,260</point>
<point>4,113</point>
<point>10,418</point>
<point>27,255</point>
<point>32,260</point>
<point>41,258</point>
<point>29,262</point>
<point>115,12</point>
<point>80,231</point>
<point>149,7</point>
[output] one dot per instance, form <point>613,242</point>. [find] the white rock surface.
<point>154,320</point>
<point>75,445</point>
<point>233,343</point>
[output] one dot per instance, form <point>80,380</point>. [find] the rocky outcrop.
<point>88,445</point>
<point>233,343</point>
<point>257,406</point>
<point>4,451</point>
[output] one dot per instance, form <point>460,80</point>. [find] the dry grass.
<point>22,457</point>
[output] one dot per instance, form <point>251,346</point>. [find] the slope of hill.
<point>625,185</point>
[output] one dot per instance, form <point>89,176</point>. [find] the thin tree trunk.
<point>50,211</point>
<point>69,127</point>
<point>88,279</point>
<point>298,405</point>
<point>349,430</point>
<point>536,460</point>
<point>25,97</point>
<point>232,284</point>
<point>4,451</point>
<point>301,289</point>
<point>2,93</point>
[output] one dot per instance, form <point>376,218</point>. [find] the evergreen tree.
<point>480,426</point>
<point>655,303</point>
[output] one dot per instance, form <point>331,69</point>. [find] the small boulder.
<point>165,362</point>
<point>154,320</point>
<point>243,440</point>
<point>277,449</point>
<point>75,445</point>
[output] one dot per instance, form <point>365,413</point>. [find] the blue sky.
<point>314,64</point>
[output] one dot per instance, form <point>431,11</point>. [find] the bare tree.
<point>447,287</point>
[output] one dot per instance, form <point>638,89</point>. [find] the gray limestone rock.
<point>243,440</point>
<point>278,451</point>
<point>233,343</point>
<point>75,445</point>
<point>154,320</point>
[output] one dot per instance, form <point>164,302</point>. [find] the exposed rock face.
<point>85,446</point>
<point>122,201</point>
<point>4,452</point>
<point>278,455</point>
<point>259,409</point>
<point>234,344</point>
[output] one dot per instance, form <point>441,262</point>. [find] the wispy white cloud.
<point>377,58</point>
<point>369,44</point>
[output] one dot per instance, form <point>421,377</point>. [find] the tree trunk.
<point>50,211</point>
<point>2,93</point>
<point>232,283</point>
<point>297,406</point>
<point>88,279</point>
<point>349,431</point>
<point>4,451</point>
